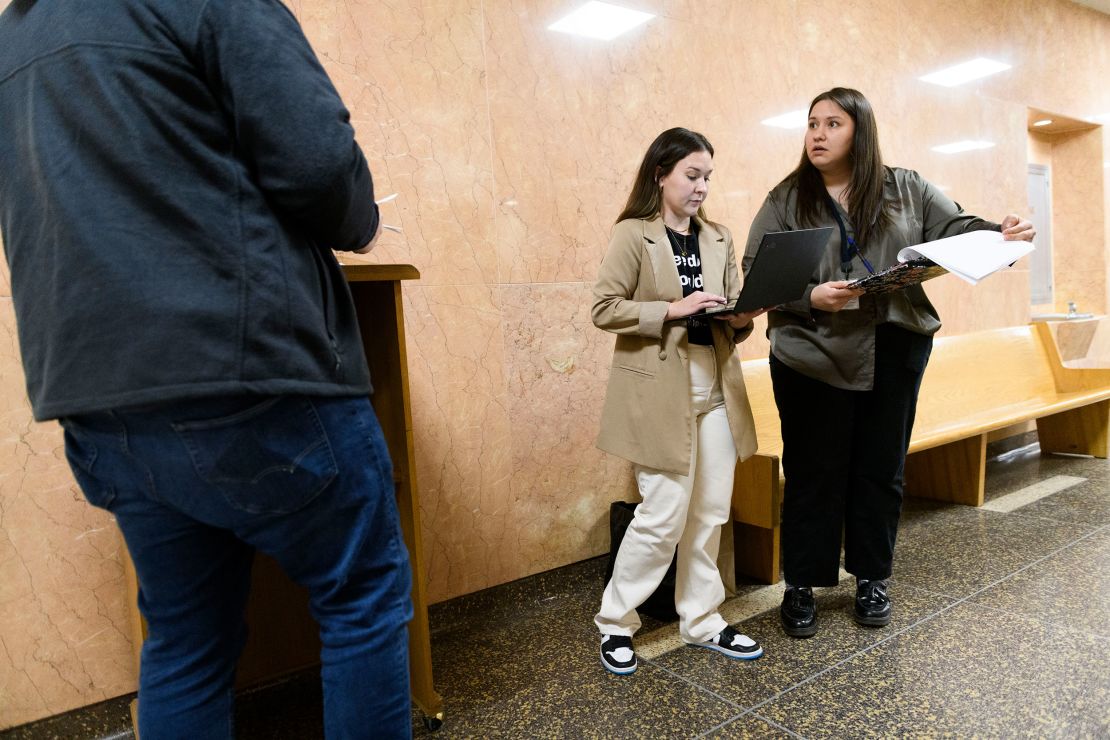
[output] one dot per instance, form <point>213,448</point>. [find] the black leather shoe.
<point>872,603</point>
<point>799,612</point>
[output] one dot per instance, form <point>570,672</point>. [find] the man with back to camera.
<point>173,176</point>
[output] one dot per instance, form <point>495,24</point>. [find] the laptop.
<point>782,268</point>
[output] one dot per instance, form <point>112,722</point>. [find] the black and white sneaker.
<point>617,654</point>
<point>733,644</point>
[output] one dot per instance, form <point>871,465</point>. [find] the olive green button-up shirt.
<point>838,348</point>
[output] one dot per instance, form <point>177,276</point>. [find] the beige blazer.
<point>646,418</point>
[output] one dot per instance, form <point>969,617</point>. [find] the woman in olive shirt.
<point>845,366</point>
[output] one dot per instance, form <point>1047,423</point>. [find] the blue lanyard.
<point>848,245</point>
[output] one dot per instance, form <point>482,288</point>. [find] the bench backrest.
<point>970,378</point>
<point>974,377</point>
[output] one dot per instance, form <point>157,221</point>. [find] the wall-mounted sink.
<point>1072,315</point>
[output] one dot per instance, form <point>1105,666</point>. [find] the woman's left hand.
<point>1016,228</point>
<point>740,321</point>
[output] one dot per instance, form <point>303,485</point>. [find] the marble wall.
<point>1079,220</point>
<point>511,149</point>
<point>1078,216</point>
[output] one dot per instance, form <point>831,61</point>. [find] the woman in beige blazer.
<point>676,405</point>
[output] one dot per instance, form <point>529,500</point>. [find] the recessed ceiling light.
<point>962,146</point>
<point>966,72</point>
<point>1042,122</point>
<point>597,20</point>
<point>793,119</point>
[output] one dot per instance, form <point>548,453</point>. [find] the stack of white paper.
<point>972,255</point>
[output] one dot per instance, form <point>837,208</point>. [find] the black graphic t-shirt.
<point>687,259</point>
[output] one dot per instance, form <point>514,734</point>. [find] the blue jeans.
<point>196,487</point>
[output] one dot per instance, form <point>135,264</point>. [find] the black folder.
<point>780,272</point>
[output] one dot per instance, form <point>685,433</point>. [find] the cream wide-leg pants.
<point>684,512</point>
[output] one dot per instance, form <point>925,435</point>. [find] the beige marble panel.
<point>557,368</point>
<point>1040,149</point>
<point>64,621</point>
<point>463,440</point>
<point>1078,221</point>
<point>1060,52</point>
<point>573,117</point>
<point>412,75</point>
<point>1002,299</point>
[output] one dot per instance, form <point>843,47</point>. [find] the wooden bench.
<point>975,384</point>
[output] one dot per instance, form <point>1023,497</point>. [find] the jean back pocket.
<point>271,458</point>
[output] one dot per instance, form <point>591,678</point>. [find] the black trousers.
<point>844,453</point>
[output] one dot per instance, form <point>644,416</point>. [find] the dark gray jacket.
<point>173,176</point>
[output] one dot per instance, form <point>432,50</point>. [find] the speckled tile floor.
<point>1001,629</point>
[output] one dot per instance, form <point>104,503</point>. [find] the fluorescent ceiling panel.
<point>961,73</point>
<point>1043,122</point>
<point>597,20</point>
<point>793,119</point>
<point>963,146</point>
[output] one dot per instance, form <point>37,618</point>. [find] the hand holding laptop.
<point>709,304</point>
<point>741,320</point>
<point>696,302</point>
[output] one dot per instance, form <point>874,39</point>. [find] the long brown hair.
<point>867,208</point>
<point>669,148</point>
